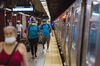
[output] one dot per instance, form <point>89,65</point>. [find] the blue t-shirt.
<point>33,31</point>
<point>46,29</point>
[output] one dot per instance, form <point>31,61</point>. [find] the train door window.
<point>74,33</point>
<point>92,33</point>
<point>75,27</point>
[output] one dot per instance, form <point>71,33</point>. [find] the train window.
<point>92,34</point>
<point>95,8</point>
<point>92,43</point>
<point>75,25</point>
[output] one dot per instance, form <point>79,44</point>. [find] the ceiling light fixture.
<point>44,4</point>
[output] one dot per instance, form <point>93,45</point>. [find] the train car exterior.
<point>78,34</point>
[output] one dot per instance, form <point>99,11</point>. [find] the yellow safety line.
<point>59,55</point>
<point>59,58</point>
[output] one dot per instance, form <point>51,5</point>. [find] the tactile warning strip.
<point>52,57</point>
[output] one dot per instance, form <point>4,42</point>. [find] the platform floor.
<point>46,58</point>
<point>39,61</point>
<point>52,57</point>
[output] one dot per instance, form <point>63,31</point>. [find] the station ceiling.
<point>56,7</point>
<point>39,10</point>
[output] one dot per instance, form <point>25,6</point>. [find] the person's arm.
<point>41,28</point>
<point>1,43</point>
<point>38,31</point>
<point>24,55</point>
<point>1,46</point>
<point>50,28</point>
<point>22,28</point>
<point>25,33</point>
<point>28,28</point>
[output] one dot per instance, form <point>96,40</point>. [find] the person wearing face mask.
<point>46,30</point>
<point>20,30</point>
<point>19,56</point>
<point>33,30</point>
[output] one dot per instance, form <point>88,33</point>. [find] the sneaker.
<point>44,51</point>
<point>33,57</point>
<point>43,47</point>
<point>47,51</point>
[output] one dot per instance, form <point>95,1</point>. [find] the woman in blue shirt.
<point>33,30</point>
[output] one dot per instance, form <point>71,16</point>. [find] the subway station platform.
<point>50,57</point>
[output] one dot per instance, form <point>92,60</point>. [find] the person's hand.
<point>24,35</point>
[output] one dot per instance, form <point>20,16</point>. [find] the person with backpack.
<point>19,27</point>
<point>46,30</point>
<point>53,28</point>
<point>33,30</point>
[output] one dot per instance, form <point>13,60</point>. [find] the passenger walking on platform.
<point>19,27</point>
<point>45,29</point>
<point>12,53</point>
<point>33,30</point>
<point>53,28</point>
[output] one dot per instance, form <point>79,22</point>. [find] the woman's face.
<point>9,33</point>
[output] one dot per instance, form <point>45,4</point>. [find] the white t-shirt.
<point>19,27</point>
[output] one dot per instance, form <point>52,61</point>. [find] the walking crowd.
<point>13,52</point>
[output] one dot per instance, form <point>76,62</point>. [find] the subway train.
<point>77,32</point>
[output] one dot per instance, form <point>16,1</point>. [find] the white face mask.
<point>10,40</point>
<point>34,24</point>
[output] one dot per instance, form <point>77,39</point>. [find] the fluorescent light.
<point>43,0</point>
<point>8,9</point>
<point>98,0</point>
<point>22,9</point>
<point>95,14</point>
<point>95,2</point>
<point>44,4</point>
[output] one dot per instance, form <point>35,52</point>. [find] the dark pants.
<point>44,40</point>
<point>33,44</point>
<point>19,36</point>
